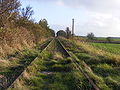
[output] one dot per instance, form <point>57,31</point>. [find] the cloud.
<point>100,26</point>
<point>60,3</point>
<point>103,15</point>
<point>97,5</point>
<point>104,6</point>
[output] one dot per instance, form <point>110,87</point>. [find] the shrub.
<point>90,36</point>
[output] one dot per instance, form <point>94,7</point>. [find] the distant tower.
<point>73,26</point>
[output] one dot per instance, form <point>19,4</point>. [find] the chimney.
<point>73,26</point>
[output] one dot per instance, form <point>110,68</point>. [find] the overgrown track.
<point>62,49</point>
<point>77,66</point>
<point>42,48</point>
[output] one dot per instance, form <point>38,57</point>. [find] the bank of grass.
<point>51,74</point>
<point>99,52</point>
<point>13,64</point>
<point>21,57</point>
<point>98,80</point>
<point>102,63</point>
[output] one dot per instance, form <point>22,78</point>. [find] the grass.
<point>103,63</point>
<point>51,73</point>
<point>112,48</point>
<point>104,39</point>
<point>48,72</point>
<point>14,64</point>
<point>99,38</point>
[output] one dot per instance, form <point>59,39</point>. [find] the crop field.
<point>112,48</point>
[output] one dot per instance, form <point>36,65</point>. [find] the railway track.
<point>67,54</point>
<point>77,66</point>
<point>43,47</point>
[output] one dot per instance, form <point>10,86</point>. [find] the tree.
<point>44,24</point>
<point>24,18</point>
<point>68,33</point>
<point>109,39</point>
<point>61,33</point>
<point>8,6</point>
<point>9,10</point>
<point>52,32</point>
<point>91,36</point>
<point>27,12</point>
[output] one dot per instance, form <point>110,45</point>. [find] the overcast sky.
<point>102,17</point>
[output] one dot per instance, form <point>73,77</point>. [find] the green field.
<point>100,38</point>
<point>104,39</point>
<point>112,48</point>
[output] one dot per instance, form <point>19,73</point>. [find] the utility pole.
<point>73,26</point>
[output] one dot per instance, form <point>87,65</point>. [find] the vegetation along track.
<point>77,66</point>
<point>57,46</point>
<point>41,48</point>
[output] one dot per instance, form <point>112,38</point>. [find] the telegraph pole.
<point>73,26</point>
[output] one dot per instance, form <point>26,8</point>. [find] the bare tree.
<point>8,10</point>
<point>68,32</point>
<point>27,12</point>
<point>8,6</point>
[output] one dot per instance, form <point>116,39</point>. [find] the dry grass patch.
<point>57,56</point>
<point>4,63</point>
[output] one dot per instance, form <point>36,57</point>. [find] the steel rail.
<point>76,65</point>
<point>17,78</point>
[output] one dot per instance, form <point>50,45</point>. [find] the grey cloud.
<point>97,5</point>
<point>100,27</point>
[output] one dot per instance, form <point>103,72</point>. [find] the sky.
<point>102,17</point>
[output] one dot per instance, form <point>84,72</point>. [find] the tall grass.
<point>102,64</point>
<point>98,52</point>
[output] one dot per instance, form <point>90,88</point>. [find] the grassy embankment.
<point>16,62</point>
<point>105,66</point>
<point>52,71</point>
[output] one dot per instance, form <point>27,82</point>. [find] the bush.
<point>61,33</point>
<point>90,36</point>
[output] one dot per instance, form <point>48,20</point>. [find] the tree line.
<point>18,29</point>
<point>67,33</point>
<point>13,16</point>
